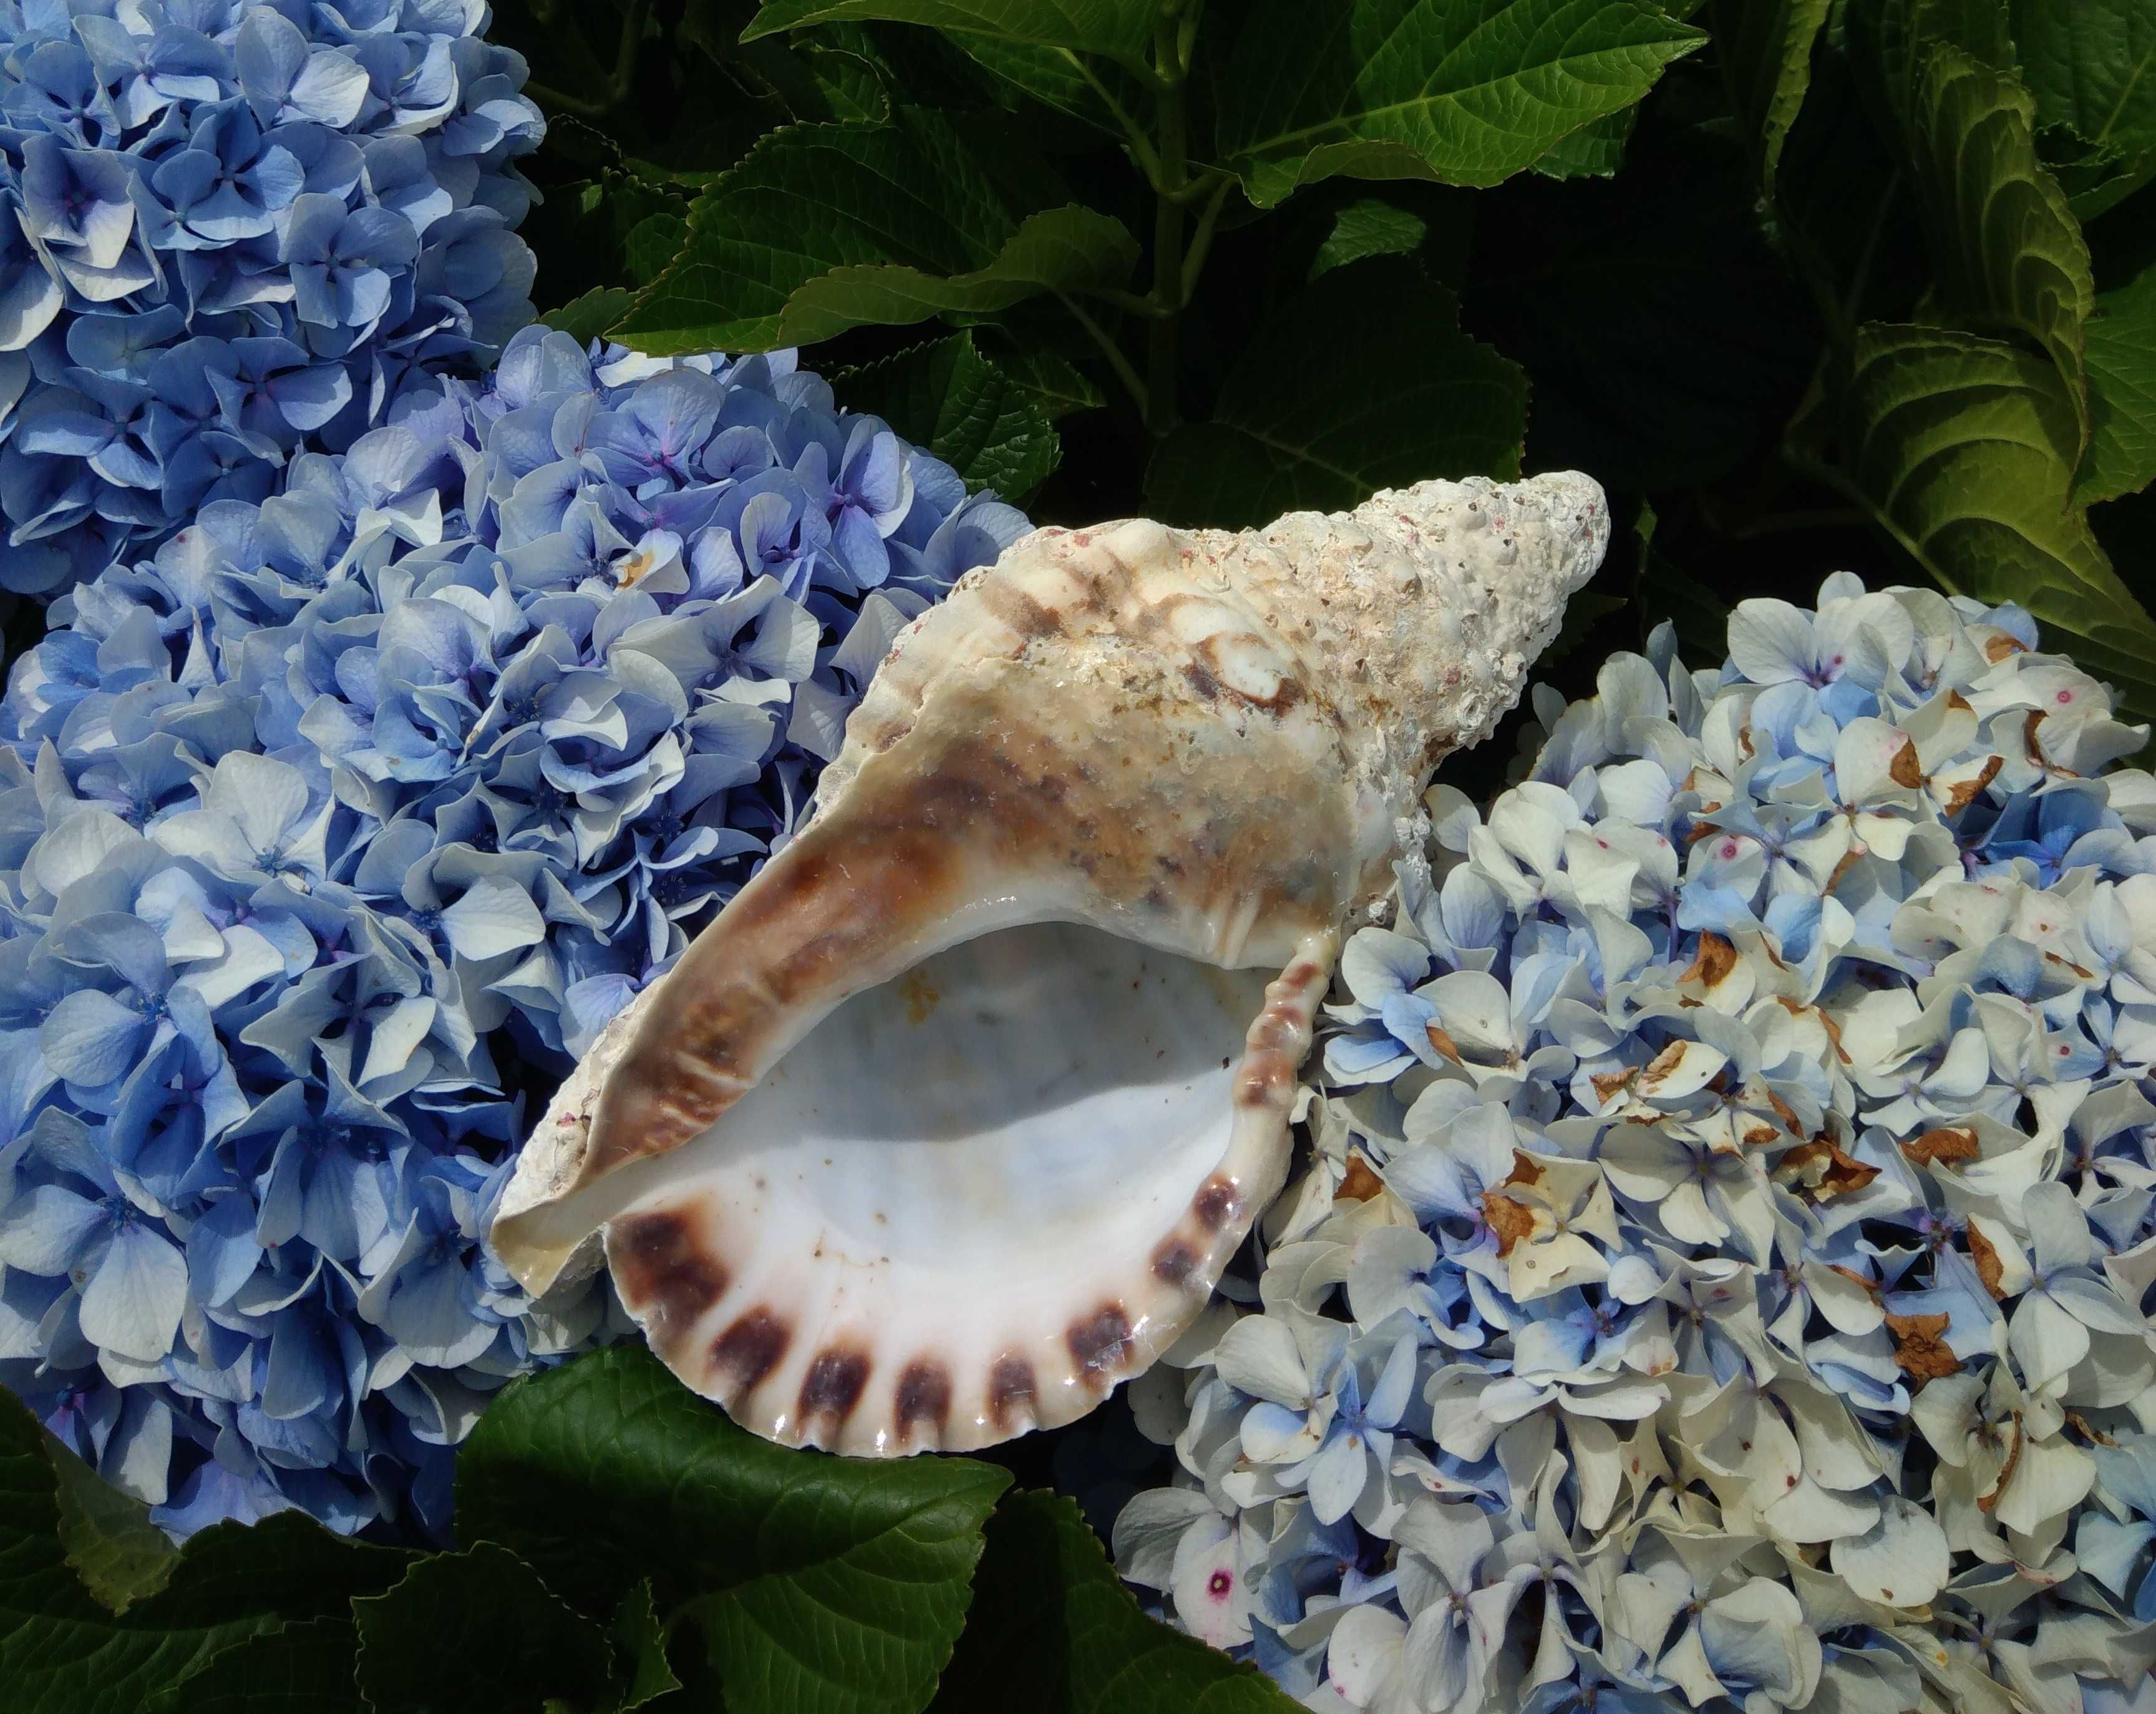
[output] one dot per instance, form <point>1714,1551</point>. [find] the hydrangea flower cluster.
<point>448,744</point>
<point>230,230</point>
<point>1724,1266</point>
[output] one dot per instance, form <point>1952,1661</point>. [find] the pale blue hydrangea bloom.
<point>347,818</point>
<point>230,230</point>
<point>1749,1127</point>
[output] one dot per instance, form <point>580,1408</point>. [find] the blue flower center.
<point>550,803</point>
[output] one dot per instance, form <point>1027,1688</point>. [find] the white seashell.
<point>1087,805</point>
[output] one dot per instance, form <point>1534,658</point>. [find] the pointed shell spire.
<point>1084,805</point>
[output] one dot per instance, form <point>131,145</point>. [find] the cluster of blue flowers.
<point>230,230</point>
<point>448,744</point>
<point>1724,1268</point>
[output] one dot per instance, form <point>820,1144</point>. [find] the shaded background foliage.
<point>1674,297</point>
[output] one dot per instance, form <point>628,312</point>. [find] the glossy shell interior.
<point>971,1198</point>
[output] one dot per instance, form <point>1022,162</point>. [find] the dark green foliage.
<point>626,1548</point>
<point>1212,245</point>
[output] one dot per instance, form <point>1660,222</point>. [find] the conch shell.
<point>950,1120</point>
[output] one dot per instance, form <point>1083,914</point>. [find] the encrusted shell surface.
<point>1107,777</point>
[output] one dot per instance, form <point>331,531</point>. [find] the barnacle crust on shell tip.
<point>1058,931</point>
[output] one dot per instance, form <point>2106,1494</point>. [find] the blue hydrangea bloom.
<point>1747,1131</point>
<point>230,230</point>
<point>346,803</point>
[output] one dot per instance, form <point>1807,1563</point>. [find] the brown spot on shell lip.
<point>832,1387</point>
<point>1175,1262</point>
<point>1010,1385</point>
<point>1215,1203</point>
<point>751,1349</point>
<point>923,1395</point>
<point>661,1268</point>
<point>1100,1342</point>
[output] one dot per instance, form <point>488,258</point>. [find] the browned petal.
<point>1918,1348</point>
<point>1948,1143</point>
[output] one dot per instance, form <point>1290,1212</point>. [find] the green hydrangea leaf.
<point>1101,92</point>
<point>1287,435</point>
<point>1368,228</point>
<point>946,397</point>
<point>640,1640</point>
<point>1464,91</point>
<point>1056,386</point>
<point>2121,458</point>
<point>63,1652</point>
<point>111,1545</point>
<point>1120,30</point>
<point>1764,48</point>
<point>2006,251</point>
<point>590,315</point>
<point>303,1668</point>
<point>1596,150</point>
<point>828,1585</point>
<point>1053,1628</point>
<point>2087,63</point>
<point>1964,447</point>
<point>828,227</point>
<point>478,1628</point>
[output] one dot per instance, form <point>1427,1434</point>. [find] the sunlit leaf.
<point>1964,447</point>
<point>1464,91</point>
<point>825,227</point>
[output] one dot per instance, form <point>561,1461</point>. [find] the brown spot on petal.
<point>923,1395</point>
<point>1442,1043</point>
<point>1662,1063</point>
<point>1215,1203</point>
<point>1918,1348</point>
<point>832,1387</point>
<point>1360,1183</point>
<point>1010,1386</point>
<point>1905,770</point>
<point>1989,1268</point>
<point>1607,1083</point>
<point>1100,1342</point>
<point>1962,795</point>
<point>2000,646</point>
<point>1985,1502</point>
<point>663,1270</point>
<point>1948,1143</point>
<point>1524,1170</point>
<point>750,1349</point>
<point>1507,1219</point>
<point>1818,1170</point>
<point>1716,957</point>
<point>1851,1274</point>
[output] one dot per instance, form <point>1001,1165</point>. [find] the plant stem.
<point>1201,240</point>
<point>616,87</point>
<point>1167,281</point>
<point>1109,349</point>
